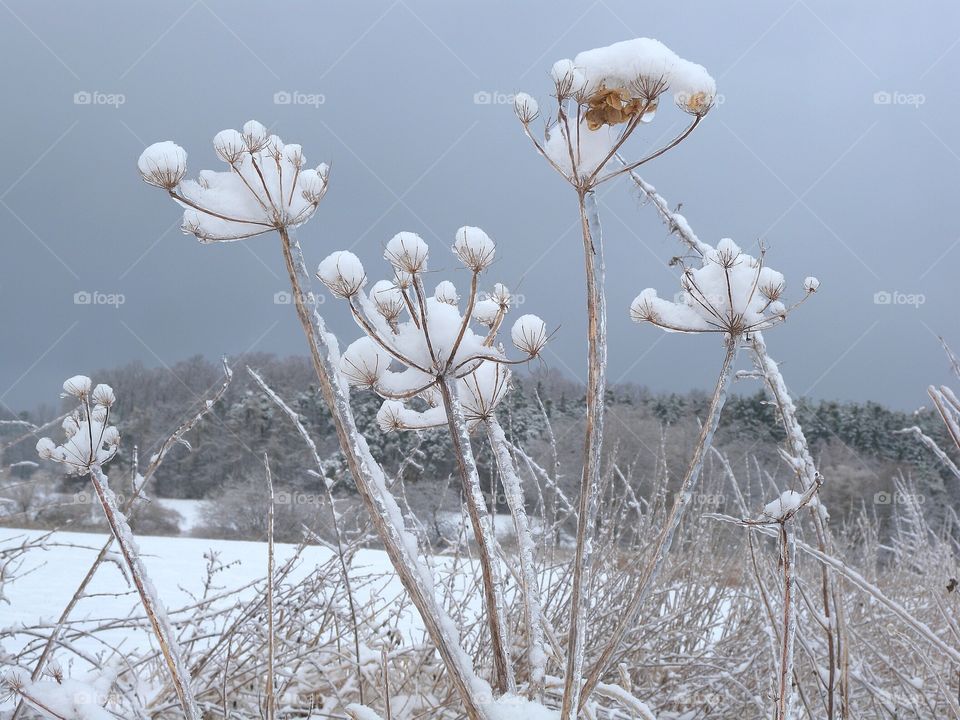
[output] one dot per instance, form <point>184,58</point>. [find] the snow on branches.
<point>603,95</point>
<point>731,292</point>
<point>405,361</point>
<point>268,186</point>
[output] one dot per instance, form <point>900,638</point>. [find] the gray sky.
<point>854,187</point>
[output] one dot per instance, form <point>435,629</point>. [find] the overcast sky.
<point>835,143</point>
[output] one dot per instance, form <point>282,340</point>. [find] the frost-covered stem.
<point>592,446</point>
<point>205,407</point>
<point>271,650</point>
<point>776,389</point>
<point>483,534</point>
<point>400,545</point>
<point>931,445</point>
<point>787,559</point>
<point>152,606</point>
<point>513,489</point>
<point>682,500</point>
<point>334,516</point>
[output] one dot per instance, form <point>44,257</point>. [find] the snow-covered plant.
<point>267,187</point>
<point>731,293</point>
<point>751,321</point>
<point>422,355</point>
<point>601,97</point>
<point>90,442</point>
<point>89,439</point>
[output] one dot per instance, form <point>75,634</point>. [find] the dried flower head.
<point>267,187</point>
<point>407,252</point>
<point>732,292</point>
<point>529,335</point>
<point>89,438</point>
<point>474,248</point>
<point>342,273</point>
<point>163,164</point>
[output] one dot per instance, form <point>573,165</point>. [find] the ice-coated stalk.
<point>682,499</point>
<point>592,444</point>
<point>153,608</point>
<point>400,545</point>
<point>788,559</point>
<point>532,609</point>
<point>483,534</point>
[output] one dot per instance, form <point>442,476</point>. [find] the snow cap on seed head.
<point>255,136</point>
<point>485,312</point>
<point>78,386</point>
<point>342,272</point>
<point>163,164</point>
<point>103,395</point>
<point>446,292</point>
<point>501,295</point>
<point>525,107</point>
<point>529,334</point>
<point>474,248</point>
<point>811,284</point>
<point>229,145</point>
<point>388,299</point>
<point>407,252</point>
<point>364,362</point>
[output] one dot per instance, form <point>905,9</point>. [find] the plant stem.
<point>592,445</point>
<point>682,499</point>
<point>483,533</point>
<point>512,488</point>
<point>169,647</point>
<point>384,512</point>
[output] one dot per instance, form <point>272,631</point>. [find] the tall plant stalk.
<point>504,679</point>
<point>681,502</point>
<point>594,269</point>
<point>384,512</point>
<point>532,607</point>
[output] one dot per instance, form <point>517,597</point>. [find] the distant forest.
<point>858,446</point>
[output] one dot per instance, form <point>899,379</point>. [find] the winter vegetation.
<point>421,522</point>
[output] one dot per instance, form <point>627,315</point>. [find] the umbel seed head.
<point>342,273</point>
<point>163,164</point>
<point>407,252</point>
<point>474,248</point>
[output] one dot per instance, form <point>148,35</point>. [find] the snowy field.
<point>177,565</point>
